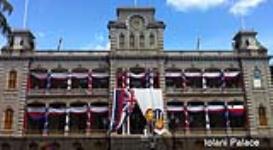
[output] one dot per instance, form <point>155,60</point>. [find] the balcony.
<point>65,92</point>
<point>207,91</point>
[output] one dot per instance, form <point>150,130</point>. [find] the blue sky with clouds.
<point>83,23</point>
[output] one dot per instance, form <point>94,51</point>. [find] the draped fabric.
<point>99,109</point>
<point>79,75</point>
<point>175,108</point>
<point>149,99</point>
<point>40,76</point>
<point>236,110</point>
<point>137,76</point>
<point>231,74</point>
<point>78,110</point>
<point>100,75</point>
<point>193,74</point>
<point>56,110</point>
<point>216,108</point>
<point>212,74</point>
<point>195,108</point>
<point>60,76</point>
<point>173,74</point>
<point>36,113</point>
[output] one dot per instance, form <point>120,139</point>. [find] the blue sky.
<point>83,23</point>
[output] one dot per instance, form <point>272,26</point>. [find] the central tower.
<point>136,29</point>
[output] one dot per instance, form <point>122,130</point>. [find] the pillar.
<point>228,128</point>
<point>151,78</point>
<point>45,130</point>
<point>67,118</point>
<point>223,86</point>
<point>204,81</point>
<point>69,80</point>
<point>207,118</point>
<point>48,80</point>
<point>187,123</point>
<point>88,121</point>
<point>90,82</point>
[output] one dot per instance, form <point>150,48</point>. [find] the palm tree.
<point>5,7</point>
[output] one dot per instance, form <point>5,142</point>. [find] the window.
<point>141,41</point>
<point>132,41</point>
<point>8,119</point>
<point>257,80</point>
<point>12,79</point>
<point>262,116</point>
<point>152,39</point>
<point>121,40</point>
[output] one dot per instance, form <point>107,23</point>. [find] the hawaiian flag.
<point>121,109</point>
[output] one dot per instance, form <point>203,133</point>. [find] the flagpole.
<point>25,14</point>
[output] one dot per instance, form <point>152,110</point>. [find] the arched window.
<point>141,41</point>
<point>152,39</point>
<point>262,116</point>
<point>132,40</point>
<point>257,79</point>
<point>8,119</point>
<point>121,40</point>
<point>12,79</point>
<point>5,146</point>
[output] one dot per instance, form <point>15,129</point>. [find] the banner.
<point>149,99</point>
<point>236,110</point>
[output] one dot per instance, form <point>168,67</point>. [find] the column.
<point>127,124</point>
<point>45,130</point>
<point>223,86</point>
<point>147,78</point>
<point>90,82</point>
<point>69,80</point>
<point>204,81</point>
<point>183,81</point>
<point>66,127</point>
<point>228,128</point>
<point>151,78</point>
<point>187,123</point>
<point>48,80</point>
<point>207,118</point>
<point>88,121</point>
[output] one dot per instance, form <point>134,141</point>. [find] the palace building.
<point>137,93</point>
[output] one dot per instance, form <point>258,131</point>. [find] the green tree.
<point>5,7</point>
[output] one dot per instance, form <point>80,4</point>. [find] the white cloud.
<point>242,7</point>
<point>236,7</point>
<point>105,46</point>
<point>184,5</point>
<point>99,42</point>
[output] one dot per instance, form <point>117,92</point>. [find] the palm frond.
<point>6,6</point>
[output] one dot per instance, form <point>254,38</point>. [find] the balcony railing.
<point>71,92</point>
